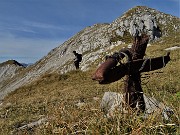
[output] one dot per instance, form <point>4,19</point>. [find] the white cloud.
<point>20,28</point>
<point>42,25</point>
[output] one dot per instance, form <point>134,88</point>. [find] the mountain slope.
<point>96,41</point>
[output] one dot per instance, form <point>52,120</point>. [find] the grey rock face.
<point>112,101</point>
<point>145,24</point>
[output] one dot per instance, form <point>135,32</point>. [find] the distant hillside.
<point>26,65</point>
<point>94,42</point>
<point>11,62</point>
<point>8,70</point>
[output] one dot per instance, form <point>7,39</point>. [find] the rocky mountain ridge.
<point>94,41</point>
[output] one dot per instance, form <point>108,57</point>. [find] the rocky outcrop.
<point>145,20</point>
<point>94,41</point>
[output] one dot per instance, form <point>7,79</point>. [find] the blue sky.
<point>29,29</point>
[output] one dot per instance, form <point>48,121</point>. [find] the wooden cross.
<point>109,71</point>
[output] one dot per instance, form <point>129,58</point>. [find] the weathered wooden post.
<point>133,90</point>
<point>108,72</point>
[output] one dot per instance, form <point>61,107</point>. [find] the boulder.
<point>112,101</point>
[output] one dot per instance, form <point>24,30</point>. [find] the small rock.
<point>33,124</point>
<point>80,104</point>
<point>130,46</point>
<point>148,45</point>
<point>96,98</point>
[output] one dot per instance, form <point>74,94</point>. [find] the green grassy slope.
<point>55,97</point>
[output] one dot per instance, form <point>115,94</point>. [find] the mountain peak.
<point>11,62</point>
<point>141,10</point>
<point>146,20</point>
